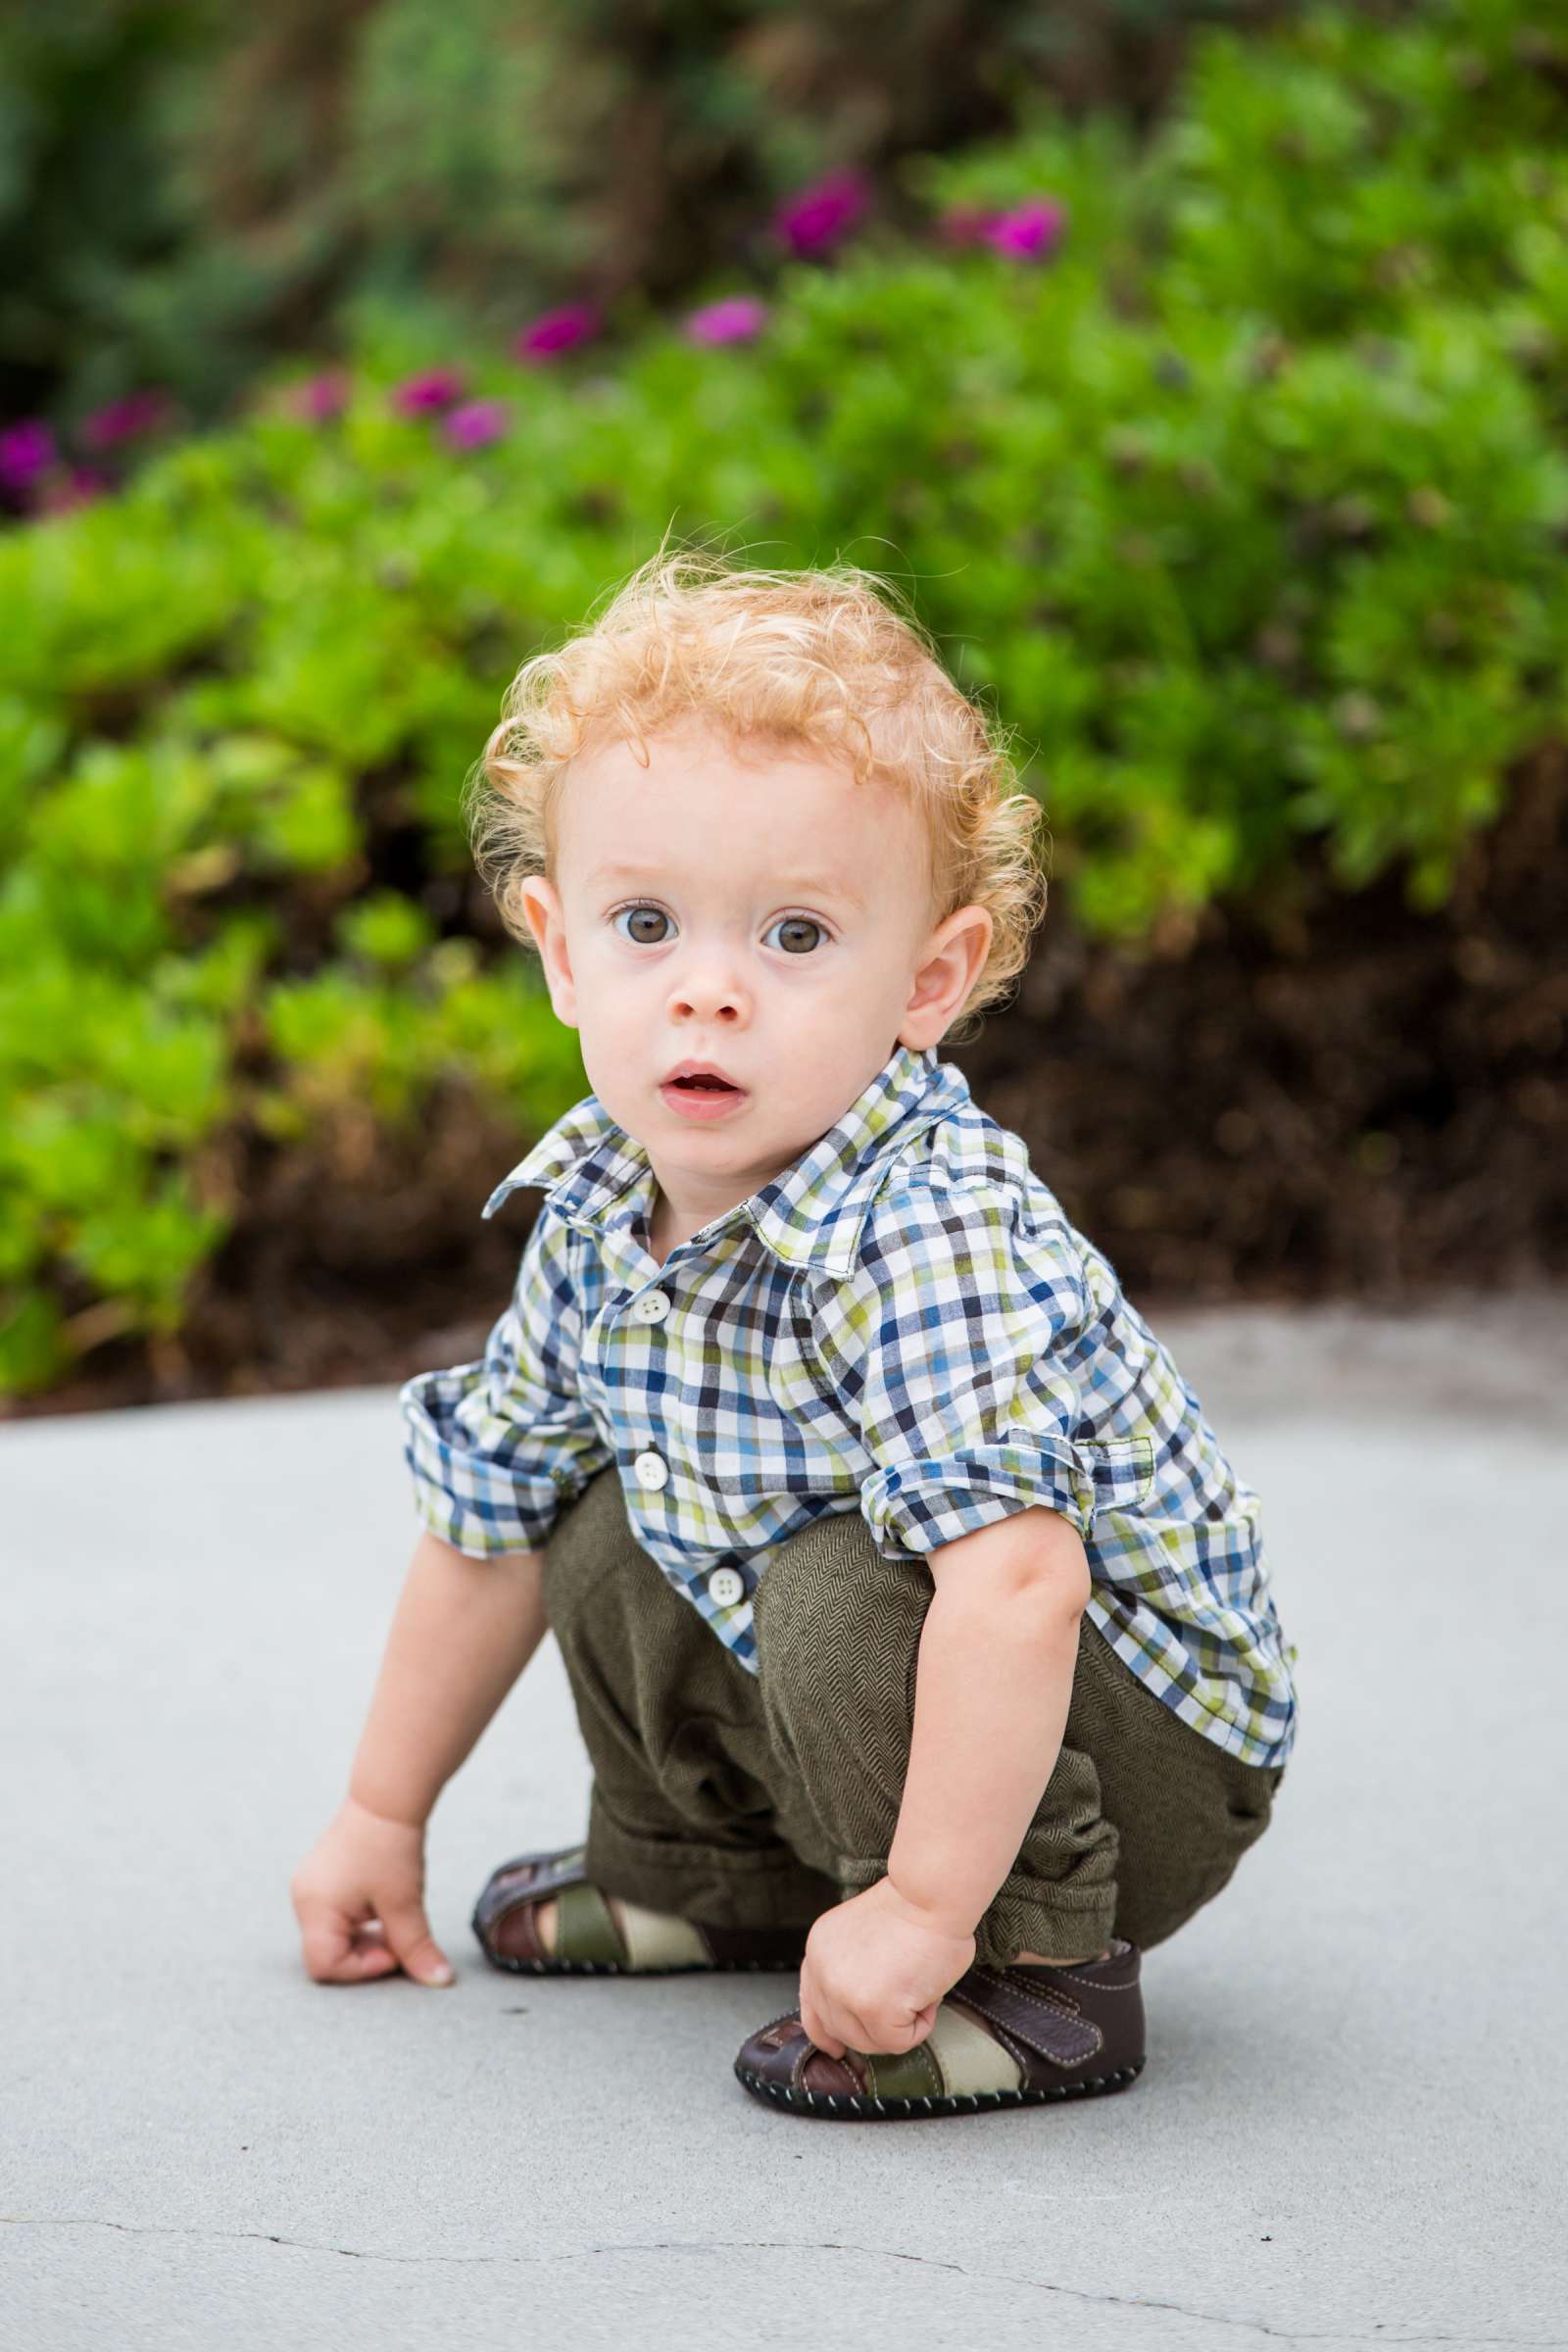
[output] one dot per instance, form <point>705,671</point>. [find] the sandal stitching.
<point>861,2105</point>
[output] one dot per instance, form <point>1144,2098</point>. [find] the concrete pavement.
<point>1354,2123</point>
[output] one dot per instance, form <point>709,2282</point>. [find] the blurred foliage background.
<point>189,188</point>
<point>1203,385</point>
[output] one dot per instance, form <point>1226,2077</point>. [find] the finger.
<point>860,2032</point>
<point>369,1952</point>
<point>365,1961</point>
<point>408,1932</point>
<point>844,2028</point>
<point>897,2034</point>
<point>818,2029</point>
<point>902,2027</point>
<point>327,1938</point>
<point>339,1950</point>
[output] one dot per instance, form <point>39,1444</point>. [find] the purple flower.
<point>1030,232</point>
<point>815,218</point>
<point>558,330</point>
<point>323,397</point>
<point>125,419</point>
<point>734,320</point>
<point>476,423</point>
<point>26,450</point>
<point>421,395</point>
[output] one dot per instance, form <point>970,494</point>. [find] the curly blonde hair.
<point>817,657</point>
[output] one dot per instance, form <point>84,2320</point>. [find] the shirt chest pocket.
<point>1121,1472</point>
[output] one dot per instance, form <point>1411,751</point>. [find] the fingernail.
<point>441,1975</point>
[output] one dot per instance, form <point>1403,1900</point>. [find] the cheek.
<point>609,963</point>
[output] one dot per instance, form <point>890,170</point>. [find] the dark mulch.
<point>1326,1096</point>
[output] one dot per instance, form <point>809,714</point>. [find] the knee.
<point>830,1611</point>
<point>1221,1832</point>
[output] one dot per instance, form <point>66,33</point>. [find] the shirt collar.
<point>810,1216</point>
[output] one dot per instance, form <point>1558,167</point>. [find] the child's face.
<point>752,909</point>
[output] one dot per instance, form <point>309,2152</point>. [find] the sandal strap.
<point>585,1926</point>
<point>551,1872</point>
<point>1048,2023</point>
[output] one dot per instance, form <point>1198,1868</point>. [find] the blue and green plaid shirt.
<point>903,1323</point>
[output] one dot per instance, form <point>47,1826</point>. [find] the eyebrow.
<point>804,886</point>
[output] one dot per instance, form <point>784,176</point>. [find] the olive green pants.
<point>763,1799</point>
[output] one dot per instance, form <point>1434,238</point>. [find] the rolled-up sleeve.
<point>498,1447</point>
<point>968,1412</point>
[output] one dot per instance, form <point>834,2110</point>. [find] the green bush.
<point>1246,506</point>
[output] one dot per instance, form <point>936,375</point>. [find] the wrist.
<point>943,1919</point>
<point>385,1806</point>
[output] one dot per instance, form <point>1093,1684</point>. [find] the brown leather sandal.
<point>588,1941</point>
<point>1002,2038</point>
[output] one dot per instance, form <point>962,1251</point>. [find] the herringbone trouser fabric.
<point>761,1799</point>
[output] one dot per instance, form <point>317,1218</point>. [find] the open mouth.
<point>698,1096</point>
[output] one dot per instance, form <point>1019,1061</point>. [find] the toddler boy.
<point>918,1629</point>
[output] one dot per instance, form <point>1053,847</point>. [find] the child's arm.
<point>497,1446</point>
<point>992,1685</point>
<point>463,1632</point>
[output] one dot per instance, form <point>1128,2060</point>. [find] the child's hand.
<point>874,1970</point>
<point>359,1896</point>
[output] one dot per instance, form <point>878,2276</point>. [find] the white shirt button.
<point>653,1471</point>
<point>726,1586</point>
<point>652,1308</point>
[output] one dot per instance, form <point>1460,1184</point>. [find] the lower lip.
<point>697,1103</point>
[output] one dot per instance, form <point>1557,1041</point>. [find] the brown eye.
<point>643,915</point>
<point>791,926</point>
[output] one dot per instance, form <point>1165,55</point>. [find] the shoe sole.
<point>855,2106</point>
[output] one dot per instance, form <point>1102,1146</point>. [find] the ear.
<point>541,903</point>
<point>951,963</point>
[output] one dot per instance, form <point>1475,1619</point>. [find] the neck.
<point>671,1222</point>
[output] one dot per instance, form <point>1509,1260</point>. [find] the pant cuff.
<point>724,1885</point>
<point>1024,1915</point>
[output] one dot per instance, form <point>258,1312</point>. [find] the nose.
<point>707,991</point>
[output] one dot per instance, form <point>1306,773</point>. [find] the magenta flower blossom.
<point>476,423</point>
<point>734,320</point>
<point>558,330</point>
<point>323,396</point>
<point>816,217</point>
<point>26,450</point>
<point>423,394</point>
<point>1032,231</point>
<point>126,420</point>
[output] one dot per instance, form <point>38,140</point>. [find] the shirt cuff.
<point>478,1506</point>
<point>916,1509</point>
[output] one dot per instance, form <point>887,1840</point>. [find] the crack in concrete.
<point>782,2245</point>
